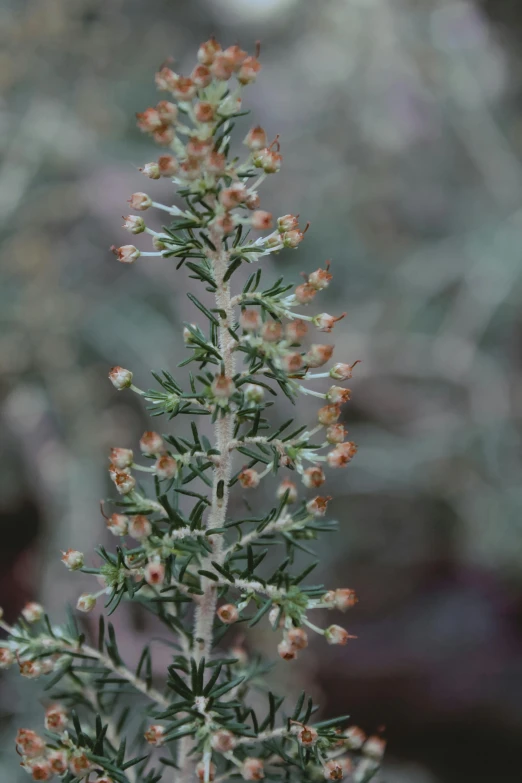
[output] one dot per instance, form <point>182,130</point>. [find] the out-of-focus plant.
<point>180,555</point>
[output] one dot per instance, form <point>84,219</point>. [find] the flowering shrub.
<point>179,553</point>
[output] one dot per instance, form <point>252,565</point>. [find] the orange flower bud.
<point>151,443</point>
<point>55,718</point>
<point>313,477</point>
<point>166,467</point>
<point>154,573</point>
<point>154,735</point>
<point>317,507</point>
<point>298,638</point>
<point>287,486</point>
<point>228,614</point>
<point>318,355</point>
<point>201,76</point>
<point>126,254</point>
<point>328,414</point>
<point>140,201</point>
<point>207,51</point>
<point>118,524</point>
<point>272,331</point>
<point>338,395</point>
<point>296,330</point>
<point>134,224</point>
<point>286,651</point>
<point>305,293</point>
<point>139,527</point>
<point>249,478</point>
<point>121,458</point>
<point>204,111</point>
<point>261,220</point>
<point>167,165</point>
<point>255,138</point>
<point>149,120</point>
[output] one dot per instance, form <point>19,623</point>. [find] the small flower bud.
<point>345,599</point>
<point>165,79</point>
<point>304,293</point>
<point>30,669</point>
<point>201,771</point>
<point>55,718</point>
<point>190,170</point>
<point>139,527</point>
<point>79,764</point>
<point>255,138</point>
<point>72,559</point>
<point>334,634</point>
<point>249,478</point>
<point>228,614</point>
<point>184,89</point>
<point>318,355</point>
<point>254,393</point>
<point>168,113</point>
<point>355,737</point>
<point>7,658</point>
<point>207,51</point>
<point>338,395</point>
<point>296,330</point>
<point>134,223</point>
<point>140,201</point>
<point>252,201</point>
<point>121,458</point>
<point>287,223</point>
<point>342,372</point>
<point>223,741</point>
<point>261,220</point>
<point>118,524</point>
<point>252,769</point>
<point>286,651</point>
<point>151,170</point>
<point>272,331</point>
<point>151,443</point>
<point>120,378</point>
<point>313,477</point>
<point>298,638</point>
<point>221,68</point>
<point>224,224</point>
<point>223,387</point>
<point>123,480</point>
<point>32,612</point>
<point>288,488</point>
<point>41,769</point>
<point>328,414</point>
<point>292,362</point>
<point>342,455</point>
<point>336,433</point>
<point>198,149</point>
<point>154,573</point>
<point>250,320</point>
<point>29,743</point>
<point>325,322</point>
<point>126,254</point>
<point>233,196</point>
<point>204,111</point>
<point>320,278</point>
<point>333,770</point>
<point>58,761</point>
<point>307,736</point>
<point>167,165</point>
<point>216,162</point>
<point>164,135</point>
<point>374,748</point>
<point>292,238</point>
<point>249,70</point>
<point>166,467</point>
<point>86,603</point>
<point>201,76</point>
<point>267,159</point>
<point>149,120</point>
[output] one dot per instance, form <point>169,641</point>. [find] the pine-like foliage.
<point>180,555</point>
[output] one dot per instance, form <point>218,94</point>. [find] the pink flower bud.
<point>29,743</point>
<point>151,170</point>
<point>287,223</point>
<point>121,458</point>
<point>342,372</point>
<point>286,651</point>
<point>328,414</point>
<point>336,433</point>
<point>151,443</point>
<point>184,88</point>
<point>252,769</point>
<point>272,331</point>
<point>32,612</point>
<point>346,764</point>
<point>249,478</point>
<point>345,599</point>
<point>228,614</point>
<point>86,603</point>
<point>252,201</point>
<point>154,573</point>
<point>223,741</point>
<point>296,330</point>
<point>134,223</point>
<point>149,120</point>
<point>140,201</point>
<point>333,770</point>
<point>120,378</point>
<point>55,718</point>
<point>304,293</point>
<point>201,771</point>
<point>41,769</point>
<point>233,196</point>
<point>255,138</point>
<point>338,395</point>
<point>168,112</point>
<point>318,355</point>
<point>374,748</point>
<point>320,278</point>
<point>208,50</point>
<point>139,527</point>
<point>166,467</point>
<point>355,737</point>
<point>126,254</point>
<point>261,220</point>
<point>235,56</point>
<point>6,658</point>
<point>334,634</point>
<point>313,477</point>
<point>58,761</point>
<point>254,393</point>
<point>307,736</point>
<point>201,76</point>
<point>123,480</point>
<point>167,165</point>
<point>79,764</point>
<point>164,136</point>
<point>249,70</point>
<point>216,162</point>
<point>204,111</point>
<point>166,79</point>
<point>325,322</point>
<point>292,362</point>
<point>287,486</point>
<point>292,238</point>
<point>30,669</point>
<point>342,455</point>
<point>250,320</point>
<point>118,524</point>
<point>223,387</point>
<point>298,638</point>
<point>154,735</point>
<point>267,159</point>
<point>198,148</point>
<point>190,170</point>
<point>224,224</point>
<point>72,559</point>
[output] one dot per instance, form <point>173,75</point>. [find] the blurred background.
<point>401,130</point>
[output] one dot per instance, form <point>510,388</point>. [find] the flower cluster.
<point>179,554</point>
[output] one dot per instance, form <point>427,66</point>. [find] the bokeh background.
<point>401,129</point>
